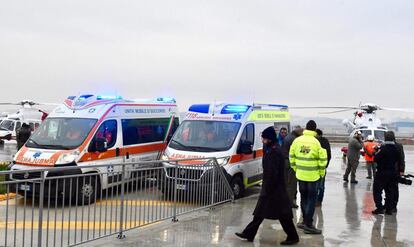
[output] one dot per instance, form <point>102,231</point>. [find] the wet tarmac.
<point>345,218</point>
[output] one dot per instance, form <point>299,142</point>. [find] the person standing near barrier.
<point>327,146</point>
<point>354,149</point>
<point>386,177</point>
<point>290,176</point>
<point>308,159</point>
<point>273,200</point>
<point>400,167</point>
<point>369,151</point>
<point>22,135</point>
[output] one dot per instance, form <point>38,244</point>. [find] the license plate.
<point>181,186</point>
<point>25,187</point>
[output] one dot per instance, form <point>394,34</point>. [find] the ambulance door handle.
<point>127,155</point>
<point>254,154</point>
<point>117,151</point>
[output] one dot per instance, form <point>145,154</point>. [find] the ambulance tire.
<point>89,189</point>
<point>237,186</point>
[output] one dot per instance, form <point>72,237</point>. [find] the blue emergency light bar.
<point>200,108</point>
<point>85,96</point>
<point>232,109</point>
<point>108,97</point>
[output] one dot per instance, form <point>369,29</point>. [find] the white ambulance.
<point>97,130</point>
<point>229,132</point>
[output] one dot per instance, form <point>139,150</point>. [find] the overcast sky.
<point>292,52</point>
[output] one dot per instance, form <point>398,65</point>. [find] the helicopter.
<point>364,119</point>
<point>28,113</point>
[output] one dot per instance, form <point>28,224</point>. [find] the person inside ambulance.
<point>107,131</point>
<point>207,135</point>
<point>73,133</point>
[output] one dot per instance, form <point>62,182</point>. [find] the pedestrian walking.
<point>273,200</point>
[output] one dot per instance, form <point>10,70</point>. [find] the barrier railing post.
<point>41,197</point>
<point>174,219</point>
<point>121,218</point>
<point>215,164</point>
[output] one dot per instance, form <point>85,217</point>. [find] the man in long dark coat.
<point>273,201</point>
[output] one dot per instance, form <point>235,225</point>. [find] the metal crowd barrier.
<point>52,209</point>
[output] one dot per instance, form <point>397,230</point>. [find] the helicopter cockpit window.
<point>379,135</point>
<point>365,134</point>
<point>7,125</point>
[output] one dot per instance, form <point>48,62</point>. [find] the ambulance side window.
<point>108,130</point>
<point>248,134</point>
<point>139,131</point>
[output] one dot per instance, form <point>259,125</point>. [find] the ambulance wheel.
<point>89,188</point>
<point>237,186</point>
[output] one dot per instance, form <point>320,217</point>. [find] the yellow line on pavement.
<point>78,225</point>
<point>7,196</point>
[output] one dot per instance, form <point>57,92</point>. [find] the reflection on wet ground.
<point>345,218</point>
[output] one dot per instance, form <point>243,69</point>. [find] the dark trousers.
<point>351,167</point>
<point>287,225</point>
<point>371,168</point>
<point>321,190</point>
<point>387,183</point>
<point>308,196</point>
<point>291,182</point>
<point>396,194</point>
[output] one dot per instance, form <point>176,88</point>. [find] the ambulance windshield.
<point>61,133</point>
<point>205,136</point>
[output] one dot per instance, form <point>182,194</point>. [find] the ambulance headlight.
<point>164,157</point>
<point>223,161</point>
<point>67,158</point>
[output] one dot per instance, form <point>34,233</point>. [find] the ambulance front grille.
<point>26,175</point>
<point>183,173</point>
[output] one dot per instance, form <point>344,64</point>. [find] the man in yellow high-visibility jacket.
<point>308,159</point>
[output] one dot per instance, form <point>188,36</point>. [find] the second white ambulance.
<point>229,132</point>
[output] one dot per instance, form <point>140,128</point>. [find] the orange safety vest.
<point>369,151</point>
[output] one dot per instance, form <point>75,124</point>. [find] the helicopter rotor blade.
<point>397,109</point>
<point>348,108</point>
<point>338,111</point>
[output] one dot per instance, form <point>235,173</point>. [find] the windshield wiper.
<point>56,147</point>
<point>204,148</point>
<point>48,146</point>
<point>179,143</point>
<point>3,128</point>
<point>34,142</point>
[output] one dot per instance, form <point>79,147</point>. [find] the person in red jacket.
<point>369,152</point>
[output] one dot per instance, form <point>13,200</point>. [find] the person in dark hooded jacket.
<point>22,135</point>
<point>386,176</point>
<point>273,200</point>
<point>290,176</point>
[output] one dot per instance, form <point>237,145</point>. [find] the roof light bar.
<point>200,108</point>
<point>231,109</point>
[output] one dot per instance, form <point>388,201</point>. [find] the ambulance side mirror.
<point>246,147</point>
<point>98,145</point>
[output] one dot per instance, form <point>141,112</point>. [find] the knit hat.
<point>311,125</point>
<point>269,133</point>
